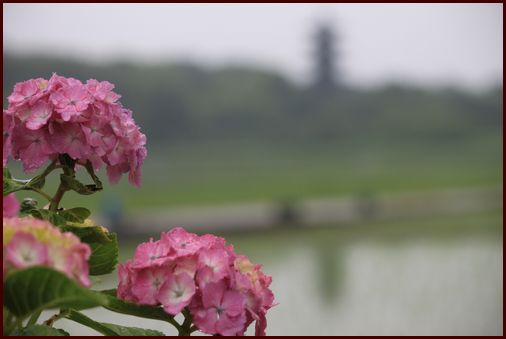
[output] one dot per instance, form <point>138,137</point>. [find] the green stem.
<point>34,318</point>
<point>41,192</point>
<point>55,201</point>
<point>186,326</point>
<point>68,170</point>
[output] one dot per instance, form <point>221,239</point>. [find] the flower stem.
<point>41,192</point>
<point>186,326</point>
<point>55,201</point>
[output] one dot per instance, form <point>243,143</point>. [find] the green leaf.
<point>37,288</point>
<point>91,172</point>
<point>48,215</point>
<point>39,330</point>
<point>12,185</point>
<point>37,182</point>
<point>76,214</point>
<point>88,234</point>
<point>71,183</point>
<point>110,329</point>
<point>104,246</point>
<point>7,173</point>
<point>145,311</point>
<point>132,331</point>
<point>104,256</point>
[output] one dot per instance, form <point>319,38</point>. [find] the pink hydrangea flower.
<point>183,242</point>
<point>41,111</point>
<point>126,277</point>
<point>187,264</point>
<point>221,310</point>
<point>27,92</point>
<point>8,126</point>
<point>71,100</point>
<point>28,241</point>
<point>223,291</point>
<point>176,292</point>
<point>148,282</point>
<point>70,139</point>
<point>152,253</point>
<point>32,147</point>
<point>25,250</point>
<point>61,115</point>
<point>214,266</point>
<point>102,91</point>
<point>11,205</point>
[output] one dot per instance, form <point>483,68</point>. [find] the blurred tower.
<point>324,58</point>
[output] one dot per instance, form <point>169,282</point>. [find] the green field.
<point>239,172</point>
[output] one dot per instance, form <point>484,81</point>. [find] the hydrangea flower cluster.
<point>86,121</point>
<point>223,291</point>
<point>29,241</point>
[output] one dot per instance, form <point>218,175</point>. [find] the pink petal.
<point>233,302</point>
<point>212,294</point>
<point>33,147</point>
<point>147,284</point>
<point>183,242</point>
<point>25,250</point>
<point>152,253</point>
<point>126,276</point>
<point>210,241</point>
<point>205,320</point>
<point>8,126</point>
<point>41,112</point>
<point>204,276</point>
<point>69,138</point>
<point>228,326</point>
<point>11,206</point>
<point>186,265</point>
<point>60,259</point>
<point>216,260</point>
<point>176,293</point>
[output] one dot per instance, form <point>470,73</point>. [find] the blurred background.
<point>354,150</point>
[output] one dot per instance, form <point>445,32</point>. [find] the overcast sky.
<point>426,43</point>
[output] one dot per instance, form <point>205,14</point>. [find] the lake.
<point>426,276</point>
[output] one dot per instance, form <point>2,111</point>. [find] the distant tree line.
<point>180,103</point>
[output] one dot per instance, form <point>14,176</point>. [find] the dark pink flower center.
<point>219,310</point>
